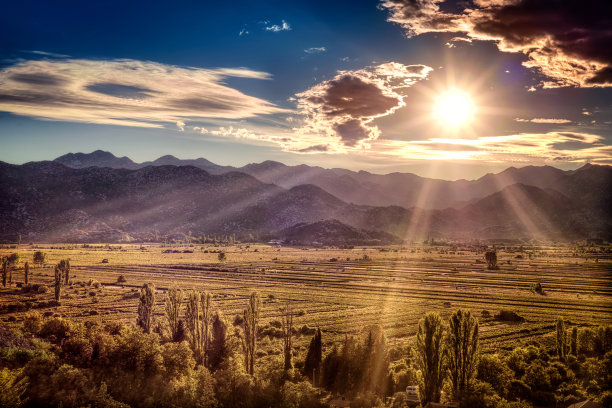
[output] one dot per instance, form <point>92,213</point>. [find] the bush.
<point>121,279</point>
<point>43,289</point>
<point>57,327</point>
<point>509,316</point>
<point>32,322</point>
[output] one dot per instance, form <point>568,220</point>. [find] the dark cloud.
<point>353,96</point>
<point>315,149</point>
<point>345,106</point>
<point>120,91</point>
<point>568,41</point>
<point>38,78</point>
<point>352,131</point>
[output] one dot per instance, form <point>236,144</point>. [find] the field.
<point>339,290</point>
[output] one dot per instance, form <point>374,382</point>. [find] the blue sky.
<point>351,84</point>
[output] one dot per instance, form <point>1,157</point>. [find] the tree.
<point>174,298</point>
<point>26,272</point>
<point>221,257</point>
<point>562,345</point>
<point>574,342</point>
<point>462,352</point>
<point>312,365</point>
<point>8,263</point>
<point>39,258</point>
<point>145,307</point>
<point>197,319</point>
<point>287,327</point>
<point>249,331</point>
<point>491,257</point>
<point>64,267</point>
<point>218,350</point>
<point>58,284</point>
<point>13,386</point>
<point>430,357</point>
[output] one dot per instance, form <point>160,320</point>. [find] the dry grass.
<point>394,288</point>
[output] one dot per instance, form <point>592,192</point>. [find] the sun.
<point>454,108</point>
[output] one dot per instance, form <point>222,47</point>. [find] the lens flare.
<point>454,108</point>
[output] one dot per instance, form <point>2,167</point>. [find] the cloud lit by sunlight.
<point>126,92</point>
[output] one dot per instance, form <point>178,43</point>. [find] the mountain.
<point>52,202</point>
<point>334,232</point>
<point>393,189</point>
<point>98,158</point>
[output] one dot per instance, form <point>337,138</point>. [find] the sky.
<point>446,89</point>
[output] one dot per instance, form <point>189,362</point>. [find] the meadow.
<point>340,291</point>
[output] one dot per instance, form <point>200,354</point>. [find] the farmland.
<point>339,290</point>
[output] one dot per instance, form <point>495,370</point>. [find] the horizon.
<point>373,85</point>
<point>476,177</point>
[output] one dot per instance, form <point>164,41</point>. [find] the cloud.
<point>523,147</point>
<point>569,42</point>
<point>315,50</point>
<point>284,26</point>
<point>126,92</point>
<point>544,120</point>
<point>342,109</point>
<point>46,54</point>
<point>242,32</point>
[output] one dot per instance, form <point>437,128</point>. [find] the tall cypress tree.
<point>312,365</point>
<point>145,307</point>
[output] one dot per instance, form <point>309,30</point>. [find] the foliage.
<point>312,365</point>
<point>430,357</point>
<point>249,331</point>
<point>145,307</point>
<point>39,258</point>
<point>462,352</point>
<point>172,308</point>
<point>13,386</point>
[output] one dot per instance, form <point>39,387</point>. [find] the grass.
<point>336,290</point>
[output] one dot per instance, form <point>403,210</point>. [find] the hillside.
<point>49,201</point>
<point>591,183</point>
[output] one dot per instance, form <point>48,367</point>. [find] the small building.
<point>586,404</point>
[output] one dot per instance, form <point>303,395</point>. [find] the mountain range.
<point>100,197</point>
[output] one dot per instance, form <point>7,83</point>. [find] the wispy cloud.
<point>46,54</point>
<point>126,92</point>
<point>544,120</point>
<point>567,43</point>
<point>284,26</point>
<point>315,50</point>
<point>242,32</point>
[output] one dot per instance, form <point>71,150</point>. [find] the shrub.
<point>121,279</point>
<point>509,316</point>
<point>32,322</point>
<point>43,289</point>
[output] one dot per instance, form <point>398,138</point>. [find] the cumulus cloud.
<point>126,92</point>
<point>544,120</point>
<point>275,28</point>
<point>315,50</point>
<point>342,109</point>
<point>569,42</point>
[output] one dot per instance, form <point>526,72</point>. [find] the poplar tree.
<point>249,331</point>
<point>312,365</point>
<point>430,357</point>
<point>172,308</point>
<point>145,307</point>
<point>462,352</point>
<point>287,328</point>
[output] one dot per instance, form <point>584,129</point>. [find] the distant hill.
<point>393,189</point>
<point>49,201</point>
<point>333,232</point>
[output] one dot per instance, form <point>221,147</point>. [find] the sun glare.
<point>454,108</point>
